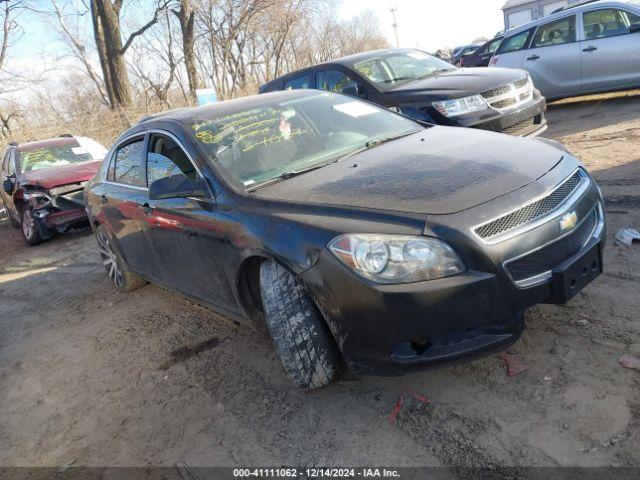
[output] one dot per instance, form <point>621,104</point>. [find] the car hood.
<point>440,170</point>
<point>460,82</point>
<point>57,176</point>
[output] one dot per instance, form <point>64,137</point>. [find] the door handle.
<point>590,49</point>
<point>533,58</point>
<point>147,209</point>
<point>103,199</point>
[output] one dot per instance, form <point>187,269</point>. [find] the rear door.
<point>553,60</point>
<point>188,236</point>
<point>610,53</point>
<point>123,197</point>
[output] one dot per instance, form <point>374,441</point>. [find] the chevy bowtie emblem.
<point>568,221</point>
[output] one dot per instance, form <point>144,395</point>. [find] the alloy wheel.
<point>28,224</point>
<point>109,259</point>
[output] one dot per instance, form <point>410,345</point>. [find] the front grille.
<point>521,83</point>
<point>507,102</point>
<point>496,92</point>
<point>532,211</point>
<point>552,255</point>
<point>519,128</point>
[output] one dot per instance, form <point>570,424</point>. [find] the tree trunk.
<point>186,16</point>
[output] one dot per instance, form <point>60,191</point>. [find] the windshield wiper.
<point>374,143</point>
<point>289,174</point>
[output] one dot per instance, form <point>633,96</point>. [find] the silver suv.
<point>586,48</point>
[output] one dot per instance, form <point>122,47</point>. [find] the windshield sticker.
<point>417,55</point>
<point>79,150</point>
<point>356,109</point>
<point>248,183</point>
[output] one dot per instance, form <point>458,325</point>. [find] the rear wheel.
<point>122,277</point>
<point>297,329</point>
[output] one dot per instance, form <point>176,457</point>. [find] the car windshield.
<point>395,68</point>
<point>284,137</point>
<point>81,150</point>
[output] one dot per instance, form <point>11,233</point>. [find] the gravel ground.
<point>99,378</point>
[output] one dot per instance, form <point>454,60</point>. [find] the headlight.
<point>396,259</point>
<point>460,106</point>
<point>37,199</point>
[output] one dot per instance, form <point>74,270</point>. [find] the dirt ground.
<point>99,378</point>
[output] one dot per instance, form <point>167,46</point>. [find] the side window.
<point>5,162</point>
<point>127,164</point>
<point>10,166</point>
<point>515,43</point>
<point>166,158</point>
<point>493,46</point>
<point>556,33</point>
<point>608,22</point>
<point>297,83</point>
<point>334,81</point>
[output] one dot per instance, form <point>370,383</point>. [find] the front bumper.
<point>388,329</point>
<point>526,121</point>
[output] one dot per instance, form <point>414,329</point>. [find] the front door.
<point>187,236</point>
<point>9,173</point>
<point>610,53</point>
<point>553,60</point>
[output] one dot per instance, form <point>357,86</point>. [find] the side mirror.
<point>354,90</point>
<point>634,28</point>
<point>7,185</point>
<point>177,186</point>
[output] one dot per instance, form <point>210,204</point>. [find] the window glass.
<point>296,83</point>
<point>393,69</point>
<point>493,46</point>
<point>11,167</point>
<point>515,43</point>
<point>334,81</point>
<point>128,167</point>
<point>41,158</point>
<point>166,158</point>
<point>608,22</point>
<point>556,33</point>
<point>5,162</point>
<point>256,143</point>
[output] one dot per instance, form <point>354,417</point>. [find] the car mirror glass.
<point>7,185</point>
<point>634,28</point>
<point>177,186</point>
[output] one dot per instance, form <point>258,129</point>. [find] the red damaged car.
<point>43,184</point>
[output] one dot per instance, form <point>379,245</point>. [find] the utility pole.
<point>394,25</point>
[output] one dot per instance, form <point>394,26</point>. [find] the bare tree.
<point>111,48</point>
<point>187,18</point>
<point>9,11</point>
<point>76,44</point>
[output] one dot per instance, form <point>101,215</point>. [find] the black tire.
<point>120,274</point>
<point>297,328</point>
<point>32,230</point>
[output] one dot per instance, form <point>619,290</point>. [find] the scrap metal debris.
<point>423,399</point>
<point>514,364</point>
<point>626,236</point>
<point>629,361</point>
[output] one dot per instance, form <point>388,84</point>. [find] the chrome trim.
<point>562,208</point>
<point>546,276</point>
<point>513,93</point>
<point>145,132</point>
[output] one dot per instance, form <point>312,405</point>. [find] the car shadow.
<point>581,114</point>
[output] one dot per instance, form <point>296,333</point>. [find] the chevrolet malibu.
<point>361,239</point>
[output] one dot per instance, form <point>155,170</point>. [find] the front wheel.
<point>122,277</point>
<point>297,329</point>
<point>32,231</point>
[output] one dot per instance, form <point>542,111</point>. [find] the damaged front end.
<point>57,209</point>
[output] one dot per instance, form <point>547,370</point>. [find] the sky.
<point>433,24</point>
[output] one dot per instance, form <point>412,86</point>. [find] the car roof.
<point>566,11</point>
<point>187,115</point>
<point>48,143</point>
